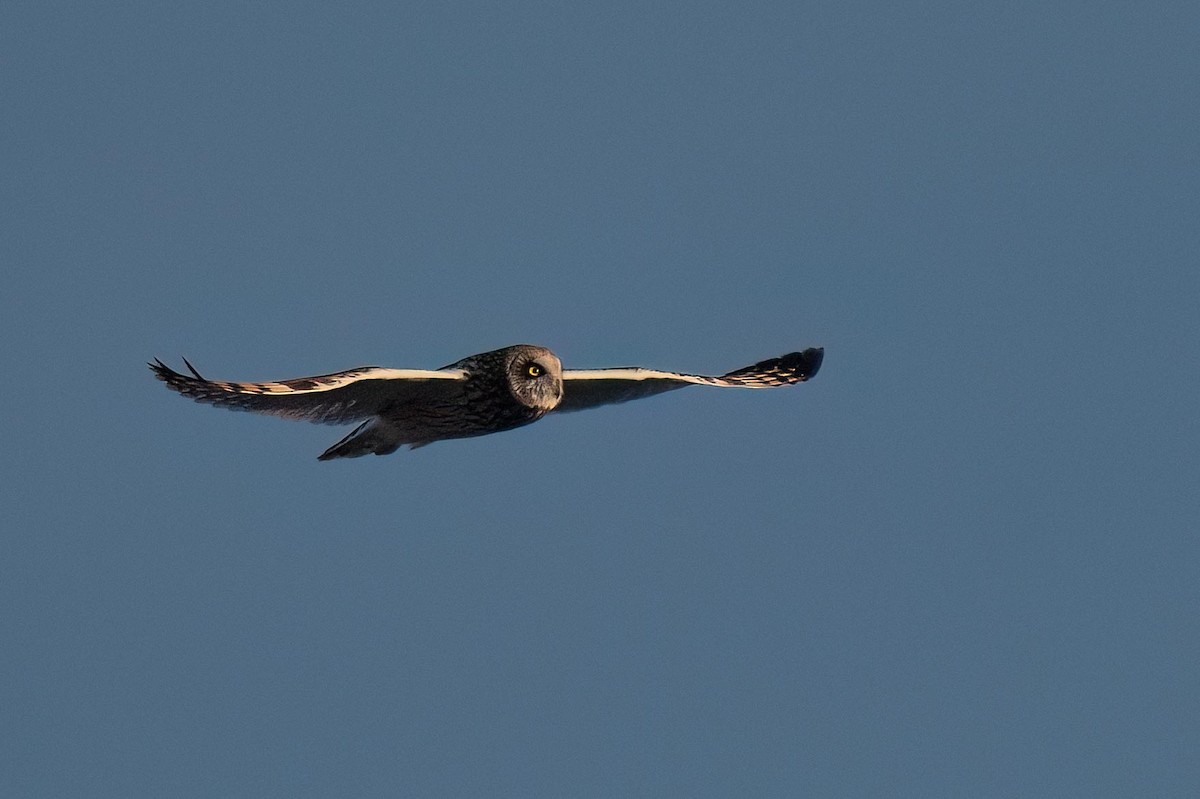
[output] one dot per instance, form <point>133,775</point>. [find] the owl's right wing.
<point>589,388</point>
<point>328,399</point>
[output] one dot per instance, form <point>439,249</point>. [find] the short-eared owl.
<point>482,394</point>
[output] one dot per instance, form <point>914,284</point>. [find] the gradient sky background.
<point>963,561</point>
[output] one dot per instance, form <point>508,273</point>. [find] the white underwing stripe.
<point>649,374</point>
<point>314,385</point>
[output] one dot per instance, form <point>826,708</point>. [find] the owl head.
<point>534,376</point>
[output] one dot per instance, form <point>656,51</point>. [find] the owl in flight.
<point>482,394</point>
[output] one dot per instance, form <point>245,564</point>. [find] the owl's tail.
<point>373,436</point>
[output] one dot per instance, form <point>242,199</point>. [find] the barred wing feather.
<point>588,388</point>
<point>328,399</point>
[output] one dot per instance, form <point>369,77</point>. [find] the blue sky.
<point>963,561</point>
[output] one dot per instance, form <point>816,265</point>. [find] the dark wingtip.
<point>160,369</point>
<point>192,369</point>
<point>808,363</point>
<point>176,381</point>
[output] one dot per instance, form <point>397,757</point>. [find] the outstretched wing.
<point>328,399</point>
<point>587,388</point>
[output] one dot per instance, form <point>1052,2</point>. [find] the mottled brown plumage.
<point>485,393</point>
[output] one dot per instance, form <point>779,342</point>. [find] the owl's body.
<point>495,394</point>
<point>486,393</point>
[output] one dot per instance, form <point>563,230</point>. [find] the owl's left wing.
<point>589,388</point>
<point>329,399</point>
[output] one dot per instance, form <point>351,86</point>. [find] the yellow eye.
<point>533,370</point>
